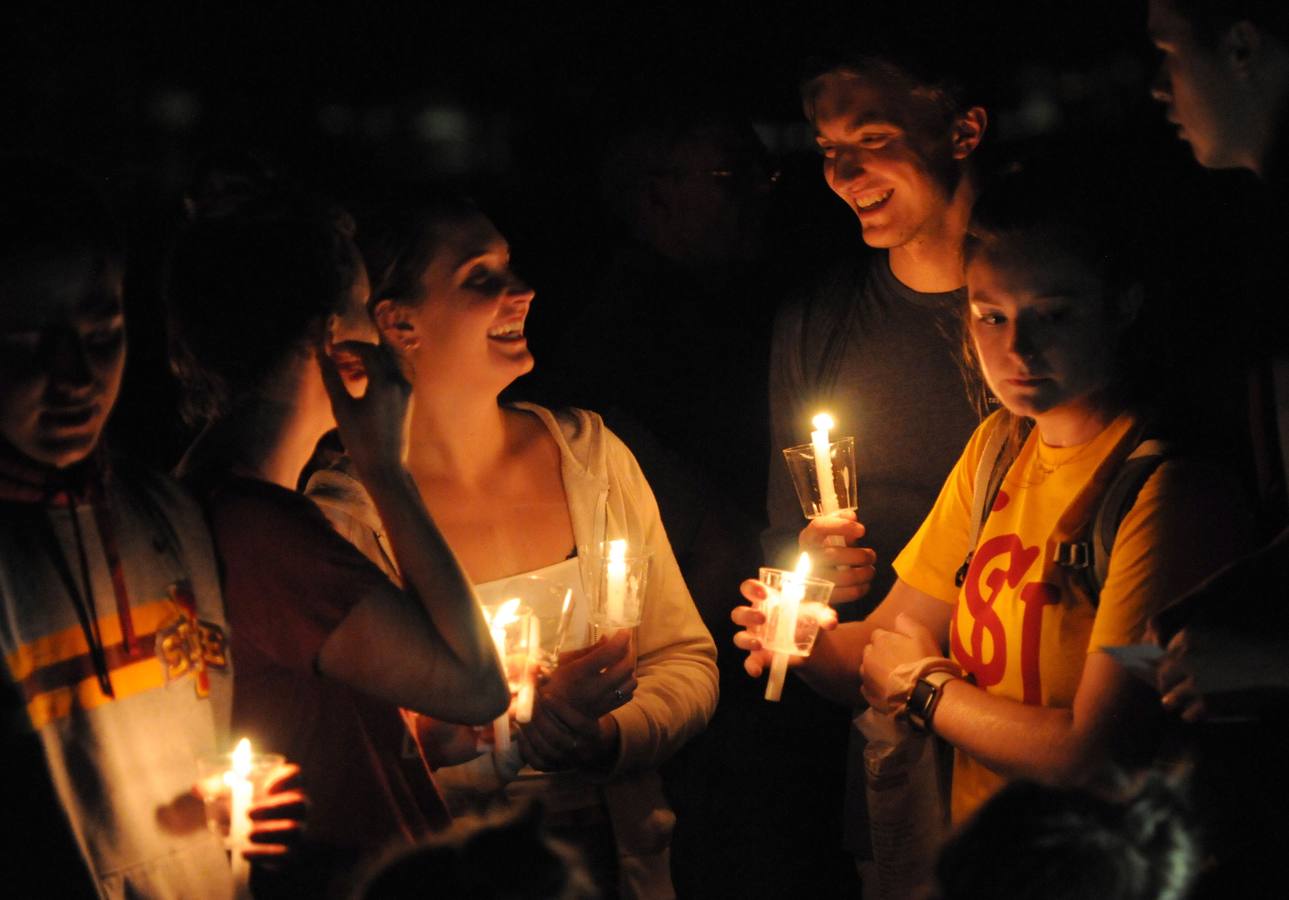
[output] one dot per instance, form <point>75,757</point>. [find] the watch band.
<point>925,697</point>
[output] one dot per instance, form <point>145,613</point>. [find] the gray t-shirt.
<point>883,360</point>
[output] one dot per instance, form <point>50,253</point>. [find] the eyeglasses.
<point>754,177</point>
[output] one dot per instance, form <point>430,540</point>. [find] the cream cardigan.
<point>608,497</point>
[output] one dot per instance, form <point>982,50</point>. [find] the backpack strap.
<point>1092,555</point>
<point>990,472</point>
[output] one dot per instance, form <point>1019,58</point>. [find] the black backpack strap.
<point>990,471</point>
<point>1092,556</point>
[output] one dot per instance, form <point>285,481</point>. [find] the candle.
<point>616,588</point>
<point>524,704</point>
<point>828,502</point>
<point>788,605</point>
<point>503,616</point>
<point>239,822</point>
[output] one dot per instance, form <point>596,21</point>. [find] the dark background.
<point>513,103</point>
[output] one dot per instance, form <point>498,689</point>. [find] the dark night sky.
<point>510,101</point>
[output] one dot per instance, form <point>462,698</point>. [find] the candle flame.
<point>803,565</point>
<point>242,758</point>
<point>823,422</point>
<point>504,614</point>
<point>617,551</point>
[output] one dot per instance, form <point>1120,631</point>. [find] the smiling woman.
<point>517,488</point>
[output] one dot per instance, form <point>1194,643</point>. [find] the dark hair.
<point>1211,19</point>
<point>506,855</point>
<point>923,53</point>
<point>249,288</point>
<point>1053,205</point>
<point>1127,841</point>
<point>398,241</point>
<point>47,210</point>
<point>1057,206</point>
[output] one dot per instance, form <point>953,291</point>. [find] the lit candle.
<point>828,502</point>
<point>788,606</point>
<point>238,779</point>
<point>615,600</point>
<point>823,463</point>
<point>524,704</point>
<point>504,615</point>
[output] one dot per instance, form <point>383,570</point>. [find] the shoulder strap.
<point>1092,556</point>
<point>990,472</point>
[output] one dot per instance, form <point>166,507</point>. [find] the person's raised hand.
<point>851,568</point>
<point>373,426</point>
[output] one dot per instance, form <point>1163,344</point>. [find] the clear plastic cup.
<point>552,605</point>
<point>217,794</point>
<point>805,477</point>
<point>797,637</point>
<point>617,597</point>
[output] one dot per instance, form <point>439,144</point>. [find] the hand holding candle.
<point>232,786</point>
<point>794,607</point>
<point>819,469</point>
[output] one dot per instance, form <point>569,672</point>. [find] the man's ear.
<point>396,325</point>
<point>968,130</point>
<point>1242,47</point>
<point>1130,301</point>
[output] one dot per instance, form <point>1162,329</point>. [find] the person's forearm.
<point>432,574</point>
<point>832,669</point>
<point>1050,744</point>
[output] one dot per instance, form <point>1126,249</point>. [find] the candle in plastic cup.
<point>509,626</point>
<point>622,573</point>
<point>823,462</point>
<point>229,783</point>
<point>524,702</point>
<point>794,607</point>
<point>553,607</point>
<point>815,469</point>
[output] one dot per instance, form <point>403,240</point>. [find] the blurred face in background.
<point>705,206</point>
<point>62,354</point>
<point>1200,89</point>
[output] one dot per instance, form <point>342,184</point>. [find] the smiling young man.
<point>867,342</point>
<point>872,340</point>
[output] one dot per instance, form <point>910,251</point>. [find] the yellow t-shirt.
<point>1022,625</point>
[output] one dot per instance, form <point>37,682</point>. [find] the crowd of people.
<point>1058,599</point>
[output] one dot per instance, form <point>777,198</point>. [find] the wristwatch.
<point>925,697</point>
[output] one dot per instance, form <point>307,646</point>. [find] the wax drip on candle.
<point>823,463</point>
<point>616,587</point>
<point>828,502</point>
